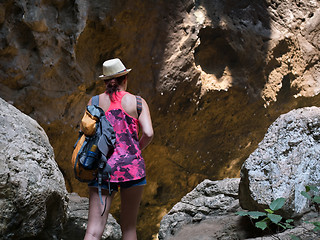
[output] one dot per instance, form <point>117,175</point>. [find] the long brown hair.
<point>112,86</point>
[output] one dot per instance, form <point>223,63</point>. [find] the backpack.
<point>95,143</point>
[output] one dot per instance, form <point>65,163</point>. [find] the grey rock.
<point>33,197</point>
<point>76,225</point>
<point>286,160</point>
<point>303,231</point>
<point>229,227</point>
<point>224,227</point>
<point>210,199</point>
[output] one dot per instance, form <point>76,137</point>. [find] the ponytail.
<point>112,86</point>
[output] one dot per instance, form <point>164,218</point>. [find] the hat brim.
<point>104,77</point>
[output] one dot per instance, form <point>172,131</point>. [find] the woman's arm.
<point>146,126</point>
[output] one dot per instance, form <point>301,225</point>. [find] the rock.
<point>76,224</point>
<point>192,219</point>
<point>232,227</point>
<point>303,231</point>
<point>33,196</point>
<point>209,200</point>
<point>286,161</point>
<point>225,227</point>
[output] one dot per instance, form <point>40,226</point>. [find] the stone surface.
<point>215,73</point>
<point>33,196</point>
<point>76,225</point>
<point>286,161</point>
<point>210,199</point>
<point>227,228</point>
<point>303,231</point>
<point>224,227</point>
<point>209,212</point>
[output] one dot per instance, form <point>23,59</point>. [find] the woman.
<point>127,164</point>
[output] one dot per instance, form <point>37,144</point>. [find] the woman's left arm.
<point>146,126</point>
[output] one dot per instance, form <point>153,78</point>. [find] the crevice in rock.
<point>214,53</point>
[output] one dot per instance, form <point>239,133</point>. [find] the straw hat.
<point>113,68</point>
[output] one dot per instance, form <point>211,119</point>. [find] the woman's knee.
<point>97,221</point>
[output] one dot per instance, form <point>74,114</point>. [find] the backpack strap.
<point>139,105</point>
<point>95,100</point>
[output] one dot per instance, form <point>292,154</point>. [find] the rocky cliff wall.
<point>216,74</point>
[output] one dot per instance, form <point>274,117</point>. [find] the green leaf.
<point>316,199</point>
<point>317,224</point>
<point>269,210</point>
<point>289,226</point>
<point>307,188</point>
<point>274,218</point>
<point>316,229</point>
<point>242,213</point>
<point>305,194</point>
<point>314,188</point>
<point>285,226</point>
<point>256,215</point>
<point>262,225</point>
<point>293,237</point>
<point>277,204</point>
<point>282,225</point>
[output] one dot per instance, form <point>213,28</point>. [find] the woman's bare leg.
<point>96,222</point>
<point>130,202</point>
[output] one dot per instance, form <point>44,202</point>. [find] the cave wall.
<point>215,73</point>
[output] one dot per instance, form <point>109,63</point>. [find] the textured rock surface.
<point>32,189</point>
<point>215,73</point>
<point>303,231</point>
<point>209,212</point>
<point>227,228</point>
<point>284,163</point>
<point>208,200</point>
<point>224,227</point>
<point>76,224</point>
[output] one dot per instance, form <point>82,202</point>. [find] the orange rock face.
<point>216,74</point>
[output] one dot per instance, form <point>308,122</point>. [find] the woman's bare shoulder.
<point>129,97</point>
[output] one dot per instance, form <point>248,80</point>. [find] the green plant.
<point>312,197</point>
<point>269,215</point>
<point>312,193</point>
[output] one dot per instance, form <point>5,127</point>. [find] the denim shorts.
<point>114,186</point>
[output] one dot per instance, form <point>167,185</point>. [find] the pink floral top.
<point>126,161</point>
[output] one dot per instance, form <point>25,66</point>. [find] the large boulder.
<point>286,161</point>
<point>33,196</point>
<point>76,224</point>
<point>207,203</point>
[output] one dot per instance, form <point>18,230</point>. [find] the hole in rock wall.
<point>287,92</point>
<point>214,53</point>
<point>282,48</point>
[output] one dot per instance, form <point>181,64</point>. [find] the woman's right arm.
<point>146,126</point>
